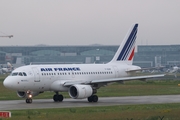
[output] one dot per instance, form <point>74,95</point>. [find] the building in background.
<point>146,55</point>
<point>157,55</point>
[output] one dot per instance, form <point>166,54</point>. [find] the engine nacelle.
<point>80,91</point>
<point>23,94</point>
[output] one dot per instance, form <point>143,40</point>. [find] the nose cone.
<point>7,83</point>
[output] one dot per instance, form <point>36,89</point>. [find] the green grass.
<point>130,88</point>
<point>119,112</point>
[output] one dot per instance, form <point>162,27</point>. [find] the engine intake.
<point>80,91</point>
<point>21,94</point>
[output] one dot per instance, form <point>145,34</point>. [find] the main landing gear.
<point>58,98</point>
<point>93,98</point>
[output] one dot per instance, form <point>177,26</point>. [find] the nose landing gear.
<point>29,97</point>
<point>28,100</point>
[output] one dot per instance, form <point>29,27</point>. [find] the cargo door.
<point>116,71</point>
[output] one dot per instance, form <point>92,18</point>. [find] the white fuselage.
<point>45,77</point>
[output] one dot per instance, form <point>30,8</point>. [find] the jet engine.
<point>80,91</point>
<point>23,94</point>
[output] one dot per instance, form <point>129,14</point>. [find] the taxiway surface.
<point>103,101</point>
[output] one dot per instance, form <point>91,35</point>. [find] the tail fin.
<point>125,52</point>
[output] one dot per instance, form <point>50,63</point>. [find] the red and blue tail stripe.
<point>127,51</point>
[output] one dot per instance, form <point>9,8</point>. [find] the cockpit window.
<point>14,74</point>
<point>24,74</point>
<point>18,74</point>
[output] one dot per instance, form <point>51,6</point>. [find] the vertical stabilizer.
<point>125,52</point>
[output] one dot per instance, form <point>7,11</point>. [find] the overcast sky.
<point>85,22</point>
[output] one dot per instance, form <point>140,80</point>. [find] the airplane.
<point>79,80</point>
<point>7,69</point>
<point>10,36</point>
<point>173,71</point>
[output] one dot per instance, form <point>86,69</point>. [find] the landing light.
<point>28,92</point>
<point>30,96</point>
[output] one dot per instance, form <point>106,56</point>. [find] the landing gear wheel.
<point>93,98</point>
<point>28,100</point>
<point>90,99</point>
<point>58,98</point>
<point>55,98</point>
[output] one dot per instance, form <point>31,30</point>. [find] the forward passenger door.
<point>36,75</point>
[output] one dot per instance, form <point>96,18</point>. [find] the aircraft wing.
<point>127,78</point>
<point>114,80</point>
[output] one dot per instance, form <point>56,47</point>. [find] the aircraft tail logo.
<point>125,52</point>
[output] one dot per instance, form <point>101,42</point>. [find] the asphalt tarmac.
<point>103,101</point>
